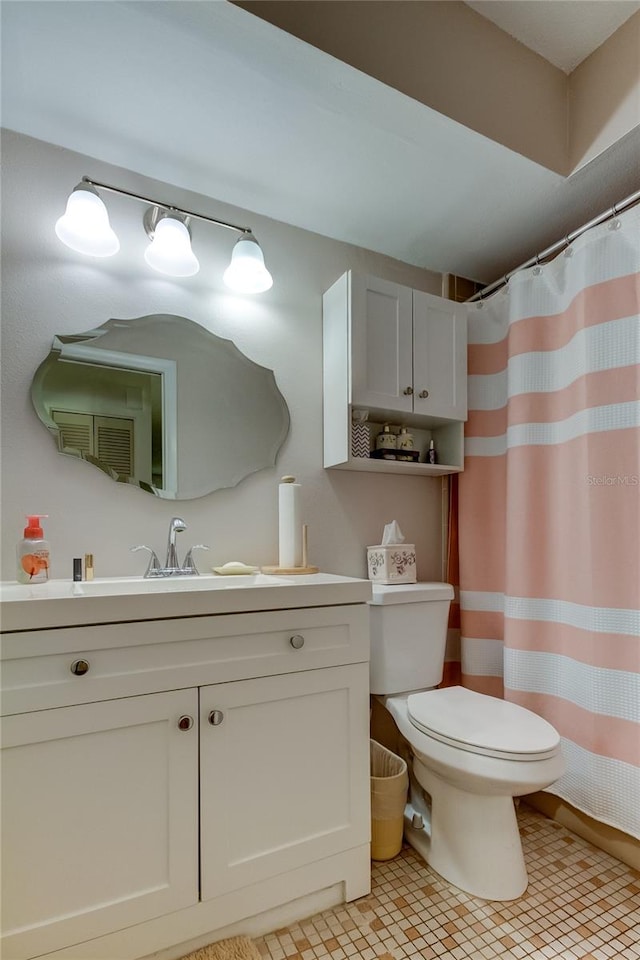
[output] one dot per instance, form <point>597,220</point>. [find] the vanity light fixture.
<point>170,248</point>
<point>85,228</point>
<point>247,273</point>
<point>85,224</point>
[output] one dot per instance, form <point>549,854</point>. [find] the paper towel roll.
<point>290,523</point>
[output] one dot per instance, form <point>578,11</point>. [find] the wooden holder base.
<point>289,571</point>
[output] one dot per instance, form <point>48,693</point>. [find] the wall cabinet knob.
<point>423,394</point>
<point>216,717</point>
<point>297,641</point>
<point>79,668</point>
<point>408,391</point>
<point>185,723</point>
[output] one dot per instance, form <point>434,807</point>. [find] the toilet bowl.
<point>482,753</point>
<point>468,754</point>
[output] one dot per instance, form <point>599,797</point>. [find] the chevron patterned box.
<point>360,444</point>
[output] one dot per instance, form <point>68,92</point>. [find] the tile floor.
<point>580,902</point>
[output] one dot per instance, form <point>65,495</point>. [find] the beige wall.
<point>48,289</point>
<point>604,95</point>
<point>448,57</point>
<point>445,55</point>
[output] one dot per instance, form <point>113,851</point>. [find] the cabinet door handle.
<point>79,668</point>
<point>423,394</point>
<point>216,717</point>
<point>408,391</point>
<point>185,723</point>
<point>297,641</point>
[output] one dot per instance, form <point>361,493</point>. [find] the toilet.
<point>468,754</point>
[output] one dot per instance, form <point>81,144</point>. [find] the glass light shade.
<point>247,273</point>
<point>85,225</point>
<point>170,250</point>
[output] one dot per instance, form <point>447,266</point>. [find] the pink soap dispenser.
<point>33,552</point>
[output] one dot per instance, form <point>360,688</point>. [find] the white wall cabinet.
<point>192,773</point>
<point>401,354</point>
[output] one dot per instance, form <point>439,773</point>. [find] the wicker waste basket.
<point>389,785</point>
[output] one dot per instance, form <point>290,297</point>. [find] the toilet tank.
<point>408,635</point>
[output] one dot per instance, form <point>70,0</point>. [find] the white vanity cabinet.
<point>165,779</point>
<point>400,354</point>
<point>278,779</point>
<point>99,819</point>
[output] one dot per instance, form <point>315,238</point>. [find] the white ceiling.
<point>564,32</point>
<point>212,99</point>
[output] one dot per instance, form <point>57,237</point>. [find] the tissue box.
<point>392,563</point>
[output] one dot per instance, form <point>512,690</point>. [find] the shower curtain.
<point>549,510</point>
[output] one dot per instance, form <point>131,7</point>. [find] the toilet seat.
<point>481,724</point>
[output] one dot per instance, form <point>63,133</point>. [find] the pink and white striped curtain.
<point>549,503</point>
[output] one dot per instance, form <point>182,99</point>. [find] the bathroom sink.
<point>64,603</point>
<point>140,585</point>
<point>127,586</point>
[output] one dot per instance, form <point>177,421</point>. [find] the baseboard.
<point>620,845</point>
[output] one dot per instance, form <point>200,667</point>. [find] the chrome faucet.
<point>176,526</point>
<point>172,566</point>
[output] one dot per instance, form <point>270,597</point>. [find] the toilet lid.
<point>481,724</point>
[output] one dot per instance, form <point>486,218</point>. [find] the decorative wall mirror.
<point>161,403</point>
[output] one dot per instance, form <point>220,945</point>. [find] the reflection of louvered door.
<point>75,430</point>
<point>108,439</point>
<point>113,439</point>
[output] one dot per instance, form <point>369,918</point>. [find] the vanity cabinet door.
<point>99,818</point>
<point>284,773</point>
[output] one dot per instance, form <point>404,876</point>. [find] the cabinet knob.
<point>216,717</point>
<point>79,668</point>
<point>297,641</point>
<point>185,723</point>
<point>423,394</point>
<point>408,391</point>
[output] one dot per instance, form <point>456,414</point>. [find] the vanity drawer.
<point>51,668</point>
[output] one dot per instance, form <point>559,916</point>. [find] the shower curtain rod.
<point>556,247</point>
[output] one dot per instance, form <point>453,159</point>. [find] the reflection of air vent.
<point>108,439</point>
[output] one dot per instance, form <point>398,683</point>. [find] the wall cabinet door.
<point>382,344</point>
<point>409,350</point>
<point>99,818</point>
<point>284,773</point>
<point>439,357</point>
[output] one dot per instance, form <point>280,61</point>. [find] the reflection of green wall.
<point>155,391</point>
<point>113,392</point>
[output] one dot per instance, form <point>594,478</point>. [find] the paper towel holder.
<point>295,571</point>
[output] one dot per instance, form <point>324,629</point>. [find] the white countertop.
<point>63,603</point>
